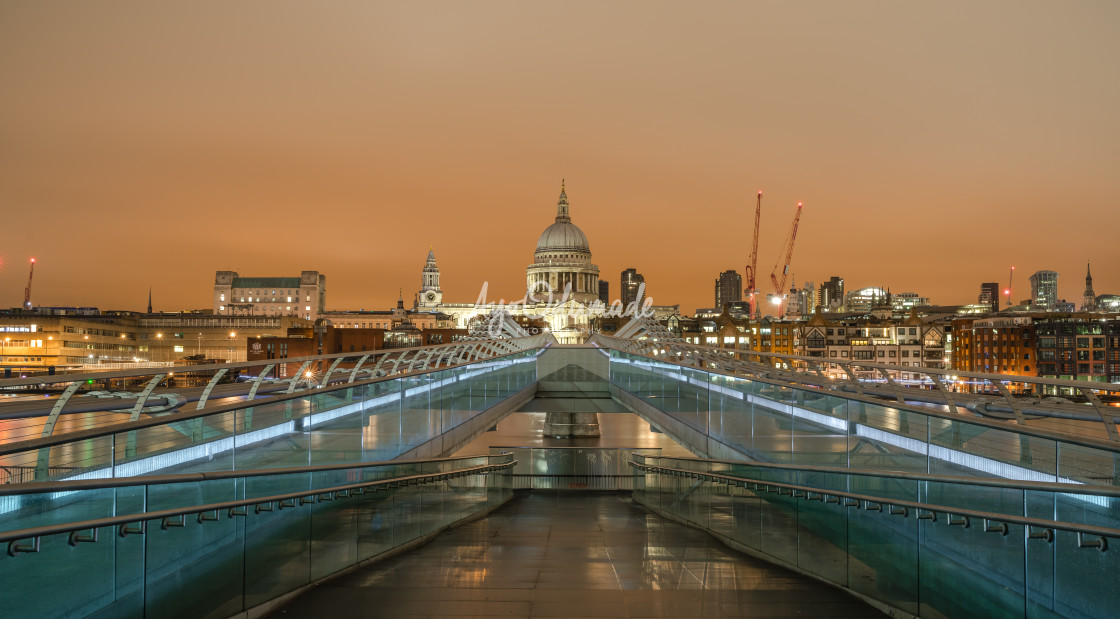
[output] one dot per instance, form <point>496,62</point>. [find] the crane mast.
<point>752,268</point>
<point>27,291</point>
<point>779,285</point>
<point>1009,280</point>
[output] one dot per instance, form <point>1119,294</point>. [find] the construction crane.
<point>27,291</point>
<point>1008,291</point>
<point>779,285</point>
<point>752,268</point>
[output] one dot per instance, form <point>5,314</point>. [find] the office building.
<point>729,288</point>
<point>632,287</point>
<point>304,296</point>
<point>1044,290</point>
<point>989,295</point>
<point>831,295</point>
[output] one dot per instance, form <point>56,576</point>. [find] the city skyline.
<point>933,147</point>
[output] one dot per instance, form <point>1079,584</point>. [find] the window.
<point>892,354</point>
<point>880,353</point>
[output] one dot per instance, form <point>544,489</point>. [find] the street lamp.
<point>199,349</point>
<point>159,345</point>
<point>229,347</point>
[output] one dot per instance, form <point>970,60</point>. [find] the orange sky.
<point>934,144</point>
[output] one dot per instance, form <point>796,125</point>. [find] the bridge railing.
<point>366,420</point>
<point>1020,399</point>
<point>925,545</point>
<point>219,544</point>
<point>56,404</point>
<point>775,419</point>
<point>573,468</point>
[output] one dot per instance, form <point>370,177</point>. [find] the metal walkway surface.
<point>549,554</point>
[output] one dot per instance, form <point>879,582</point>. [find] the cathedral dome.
<point>563,235</point>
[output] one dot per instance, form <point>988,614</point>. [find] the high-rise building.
<point>831,296</point>
<point>1044,289</point>
<point>304,296</point>
<point>989,295</point>
<point>729,288</point>
<point>1089,298</point>
<point>630,288</point>
<point>605,292</point>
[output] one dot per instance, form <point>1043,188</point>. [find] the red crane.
<point>27,291</point>
<point>779,285</point>
<point>752,268</point>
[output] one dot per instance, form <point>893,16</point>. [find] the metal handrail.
<point>1014,484</point>
<point>187,369</point>
<point>866,501</point>
<point>870,364</point>
<point>782,379</point>
<point>179,478</point>
<point>38,443</point>
<point>345,491</point>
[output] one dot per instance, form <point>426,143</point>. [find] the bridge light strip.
<point>151,464</point>
<point>993,467</point>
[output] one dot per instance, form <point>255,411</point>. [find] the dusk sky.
<point>933,144</point>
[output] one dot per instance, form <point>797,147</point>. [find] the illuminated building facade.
<point>1044,290</point>
<point>630,287</point>
<point>304,296</point>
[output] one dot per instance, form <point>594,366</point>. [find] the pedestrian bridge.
<point>215,496</point>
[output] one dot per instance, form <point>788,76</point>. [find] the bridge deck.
<point>574,555</point>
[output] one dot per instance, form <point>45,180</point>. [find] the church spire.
<point>562,205</point>
<point>149,299</point>
<point>1089,298</point>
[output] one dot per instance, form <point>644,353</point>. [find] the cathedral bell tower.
<point>430,293</point>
